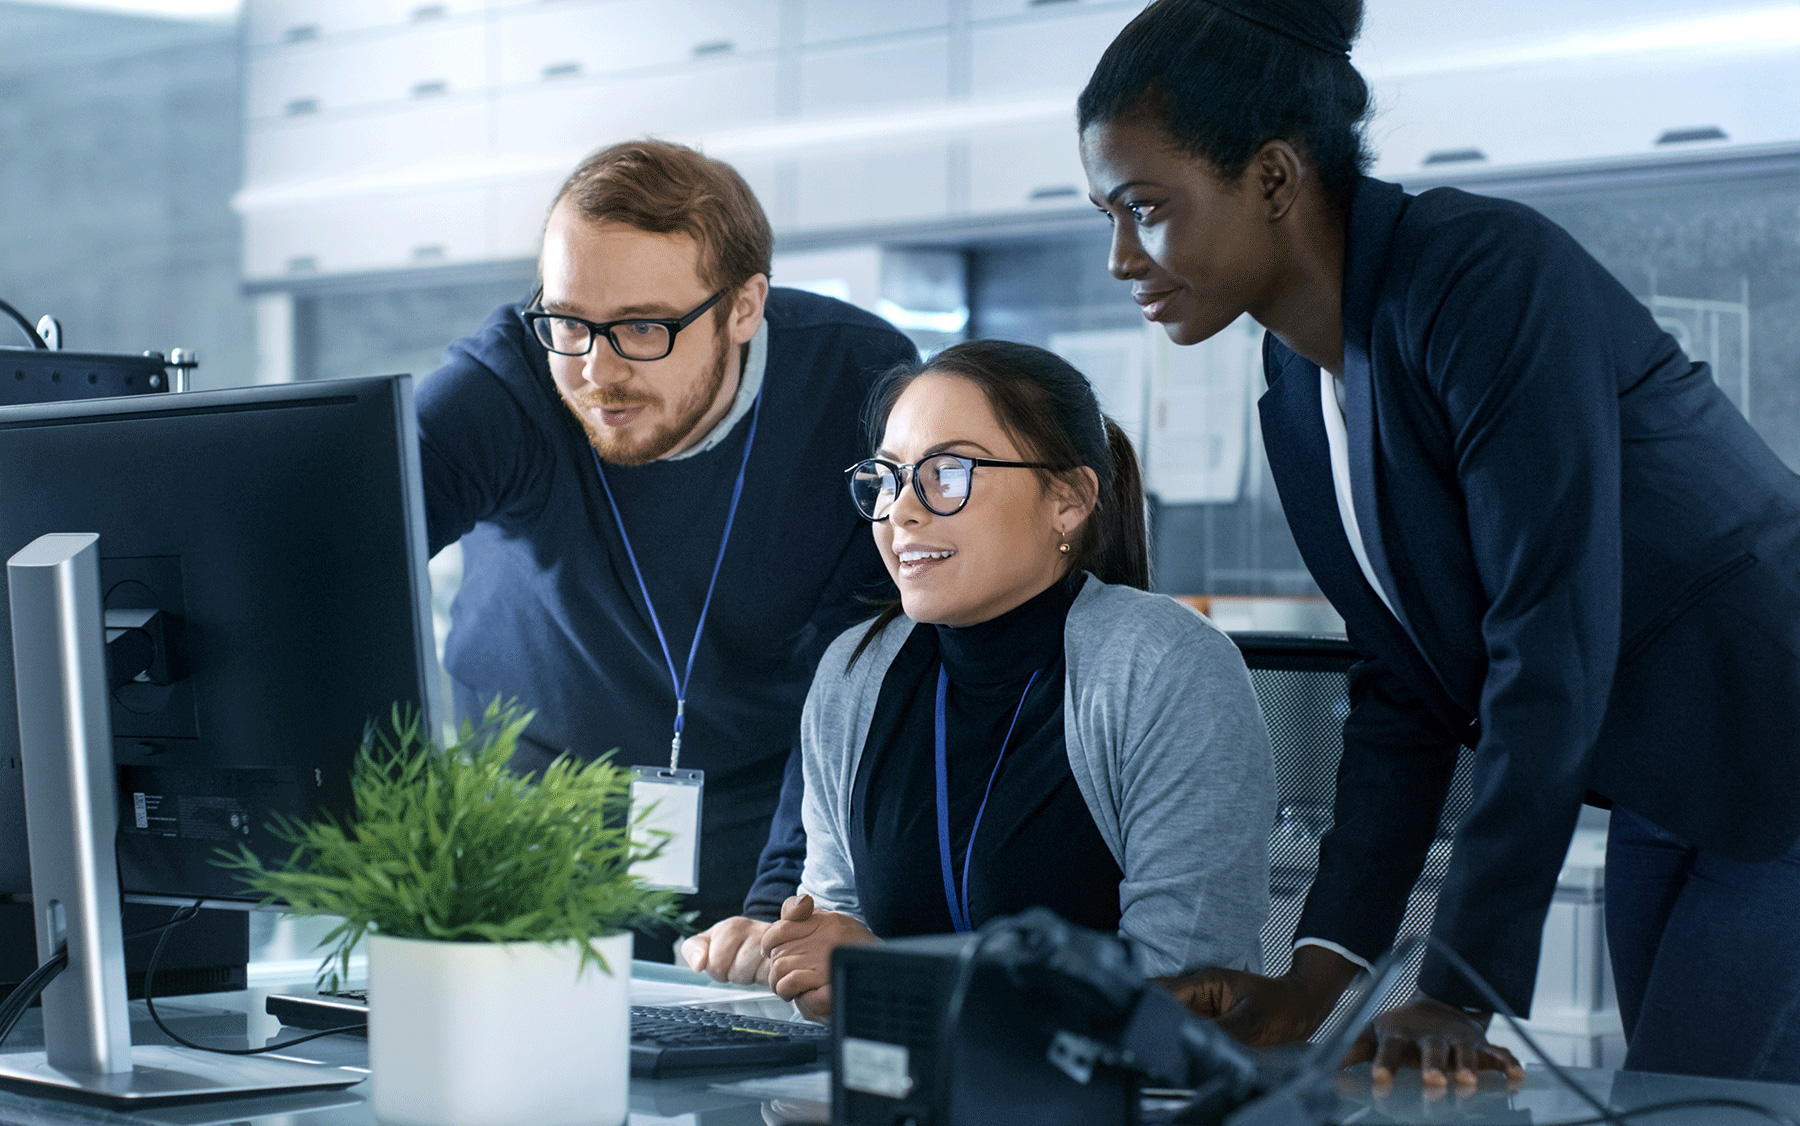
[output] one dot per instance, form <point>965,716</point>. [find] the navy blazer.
<point>1595,563</point>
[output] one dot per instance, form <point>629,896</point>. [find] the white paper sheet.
<point>1116,363</point>
<point>645,992</point>
<point>807,1086</point>
<point>1199,424</point>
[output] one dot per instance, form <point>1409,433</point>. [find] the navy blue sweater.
<point>550,612</point>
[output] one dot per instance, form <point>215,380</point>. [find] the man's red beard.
<point>613,444</point>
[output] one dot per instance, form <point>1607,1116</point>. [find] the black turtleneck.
<point>1038,844</point>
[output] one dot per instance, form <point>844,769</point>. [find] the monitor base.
<point>162,1074</point>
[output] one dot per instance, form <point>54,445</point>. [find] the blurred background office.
<point>301,189</point>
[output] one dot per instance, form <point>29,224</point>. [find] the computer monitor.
<point>43,375</point>
<point>271,541</point>
<point>214,946</point>
<point>280,529</point>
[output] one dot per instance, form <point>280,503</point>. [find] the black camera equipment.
<point>1035,1019</point>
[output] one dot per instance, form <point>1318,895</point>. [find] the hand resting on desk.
<point>799,952</point>
<point>1440,1040</point>
<point>730,950</point>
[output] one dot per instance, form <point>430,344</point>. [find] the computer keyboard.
<point>665,1039</point>
<point>668,1039</point>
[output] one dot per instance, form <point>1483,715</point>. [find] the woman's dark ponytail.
<point>1120,548</point>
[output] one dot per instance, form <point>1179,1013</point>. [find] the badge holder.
<point>665,800</point>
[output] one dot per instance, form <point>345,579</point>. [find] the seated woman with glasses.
<point>1029,726</point>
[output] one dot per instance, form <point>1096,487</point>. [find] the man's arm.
<point>480,453</point>
<point>857,582</point>
<point>857,585</point>
<point>778,869</point>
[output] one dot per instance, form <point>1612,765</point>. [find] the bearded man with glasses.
<point>643,464</point>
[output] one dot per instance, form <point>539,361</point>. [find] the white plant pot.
<point>498,1034</point>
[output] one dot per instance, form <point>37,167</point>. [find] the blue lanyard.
<point>680,682</point>
<point>959,906</point>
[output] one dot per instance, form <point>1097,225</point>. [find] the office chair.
<point>1302,683</point>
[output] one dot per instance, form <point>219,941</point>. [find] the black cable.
<point>170,925</point>
<point>150,1000</point>
<point>27,991</point>
<point>36,340</point>
<point>19,1000</point>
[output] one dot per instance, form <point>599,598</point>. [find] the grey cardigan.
<point>1166,743</point>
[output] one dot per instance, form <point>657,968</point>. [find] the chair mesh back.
<point>1302,683</point>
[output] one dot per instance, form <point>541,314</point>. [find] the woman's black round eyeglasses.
<point>635,338</point>
<point>941,482</point>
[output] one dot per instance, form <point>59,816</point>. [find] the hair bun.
<point>1222,78</point>
<point>1345,17</point>
<point>1328,26</point>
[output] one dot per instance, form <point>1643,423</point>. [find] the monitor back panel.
<point>280,529</point>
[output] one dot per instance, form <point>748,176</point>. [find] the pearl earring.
<point>1063,547</point>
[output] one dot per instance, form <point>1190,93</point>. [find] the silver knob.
<point>181,362</point>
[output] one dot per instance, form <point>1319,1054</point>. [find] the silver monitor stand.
<point>72,819</point>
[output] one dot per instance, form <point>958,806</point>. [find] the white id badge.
<point>665,801</point>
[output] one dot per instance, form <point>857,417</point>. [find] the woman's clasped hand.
<point>791,956</point>
<point>799,952</point>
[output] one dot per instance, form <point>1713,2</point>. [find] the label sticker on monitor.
<point>665,811</point>
<point>876,1068</point>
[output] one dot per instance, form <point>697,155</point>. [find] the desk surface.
<point>237,1019</point>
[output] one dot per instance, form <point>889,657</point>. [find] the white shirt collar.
<point>748,386</point>
<point>1337,439</point>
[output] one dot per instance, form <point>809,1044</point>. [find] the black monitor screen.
<point>278,535</point>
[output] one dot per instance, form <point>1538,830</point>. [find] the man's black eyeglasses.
<point>634,338</point>
<point>941,481</point>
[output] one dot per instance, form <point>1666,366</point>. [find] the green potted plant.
<point>497,909</point>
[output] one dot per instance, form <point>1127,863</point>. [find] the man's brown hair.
<point>667,188</point>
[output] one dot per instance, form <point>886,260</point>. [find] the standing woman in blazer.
<point>1551,536</point>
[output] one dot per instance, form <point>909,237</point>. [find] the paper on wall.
<point>1116,363</point>
<point>1199,414</point>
